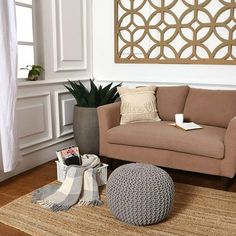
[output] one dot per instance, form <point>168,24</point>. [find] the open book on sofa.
<point>188,126</point>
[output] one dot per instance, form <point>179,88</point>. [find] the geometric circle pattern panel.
<point>175,31</point>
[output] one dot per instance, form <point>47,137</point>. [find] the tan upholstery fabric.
<point>210,107</point>
<point>109,116</point>
<point>170,159</point>
<point>138,104</point>
<point>230,147</point>
<point>205,142</point>
<point>170,101</point>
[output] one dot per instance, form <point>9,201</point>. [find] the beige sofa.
<point>211,150</point>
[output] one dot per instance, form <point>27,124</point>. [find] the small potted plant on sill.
<point>85,120</point>
<point>34,71</point>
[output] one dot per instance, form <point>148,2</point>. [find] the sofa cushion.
<point>205,142</point>
<point>170,101</point>
<point>210,107</point>
<point>138,104</point>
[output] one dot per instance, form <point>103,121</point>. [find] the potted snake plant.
<point>85,119</point>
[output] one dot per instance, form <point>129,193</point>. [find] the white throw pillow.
<point>138,104</point>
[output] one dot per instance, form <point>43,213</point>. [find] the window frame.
<point>33,43</point>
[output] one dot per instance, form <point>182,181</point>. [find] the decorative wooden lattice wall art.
<point>175,31</point>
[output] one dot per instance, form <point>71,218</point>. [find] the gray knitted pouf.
<point>140,194</point>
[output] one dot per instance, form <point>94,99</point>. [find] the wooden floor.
<point>21,185</point>
<point>39,176</point>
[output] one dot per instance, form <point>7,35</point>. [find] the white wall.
<point>218,76</point>
<point>44,107</point>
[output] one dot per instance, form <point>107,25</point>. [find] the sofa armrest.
<point>230,148</point>
<point>108,117</point>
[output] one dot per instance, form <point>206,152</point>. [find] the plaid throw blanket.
<point>80,186</point>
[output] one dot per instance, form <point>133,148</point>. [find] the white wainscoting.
<point>70,34</point>
<point>64,105</point>
<point>64,37</point>
<point>34,119</point>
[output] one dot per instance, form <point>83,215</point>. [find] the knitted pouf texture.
<point>140,194</point>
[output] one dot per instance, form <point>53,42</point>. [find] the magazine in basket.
<point>71,155</point>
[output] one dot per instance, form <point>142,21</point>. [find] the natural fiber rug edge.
<point>196,211</point>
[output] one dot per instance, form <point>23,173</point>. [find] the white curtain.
<point>8,85</point>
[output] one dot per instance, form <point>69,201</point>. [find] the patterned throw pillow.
<point>138,104</point>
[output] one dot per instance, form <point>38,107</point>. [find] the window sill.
<point>25,83</point>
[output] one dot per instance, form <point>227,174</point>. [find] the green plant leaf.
<point>109,97</point>
<point>94,96</point>
<point>83,90</point>
<point>105,90</point>
<point>115,97</point>
<point>97,96</point>
<point>82,102</point>
<point>80,93</point>
<point>34,70</point>
<point>38,67</point>
<point>83,87</point>
<point>73,93</point>
<point>100,88</point>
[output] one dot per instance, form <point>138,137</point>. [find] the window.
<point>25,35</point>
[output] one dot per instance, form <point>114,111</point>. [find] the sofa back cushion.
<point>210,107</point>
<point>170,101</point>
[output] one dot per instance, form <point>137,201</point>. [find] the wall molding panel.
<point>70,36</point>
<point>64,106</point>
<point>34,119</point>
<point>36,114</point>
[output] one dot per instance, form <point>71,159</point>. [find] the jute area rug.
<point>197,211</point>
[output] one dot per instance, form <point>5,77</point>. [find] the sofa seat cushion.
<point>208,141</point>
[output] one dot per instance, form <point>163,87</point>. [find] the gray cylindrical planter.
<point>85,125</point>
